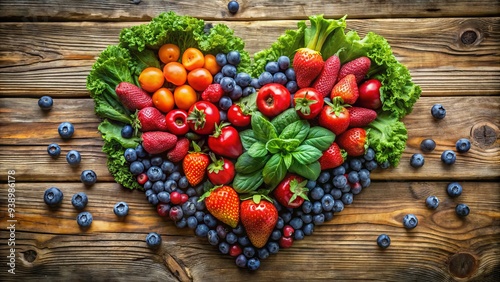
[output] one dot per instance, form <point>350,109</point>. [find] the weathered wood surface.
<point>48,48</point>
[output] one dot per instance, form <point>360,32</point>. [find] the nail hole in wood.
<point>469,37</point>
<point>462,265</point>
<point>30,255</point>
<point>484,134</point>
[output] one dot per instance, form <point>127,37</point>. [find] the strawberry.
<point>328,76</point>
<point>307,64</point>
<point>332,157</point>
<point>259,217</point>
<point>180,150</point>
<point>353,141</point>
<point>155,142</point>
<point>223,203</point>
<point>195,165</point>
<point>212,93</point>
<point>360,117</point>
<point>151,119</point>
<point>133,97</point>
<point>347,89</point>
<point>358,67</point>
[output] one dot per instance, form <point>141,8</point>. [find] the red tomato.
<point>369,94</point>
<point>334,117</point>
<point>308,103</point>
<point>177,122</point>
<point>291,191</point>
<point>203,117</point>
<point>221,171</point>
<point>273,99</point>
<point>226,142</point>
<point>237,117</point>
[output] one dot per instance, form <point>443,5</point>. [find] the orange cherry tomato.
<point>199,79</point>
<point>169,53</point>
<point>211,64</point>
<point>185,96</point>
<point>151,79</point>
<point>163,99</point>
<point>175,73</point>
<point>192,59</point>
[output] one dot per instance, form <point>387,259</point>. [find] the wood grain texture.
<point>50,244</point>
<point>55,58</point>
<point>116,10</point>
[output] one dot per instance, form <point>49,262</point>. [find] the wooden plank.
<point>115,10</point>
<point>55,58</point>
<point>50,244</point>
<point>26,139</point>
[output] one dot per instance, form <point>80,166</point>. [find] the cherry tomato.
<point>221,171</point>
<point>211,64</point>
<point>192,59</point>
<point>169,53</point>
<point>151,79</point>
<point>273,99</point>
<point>291,191</point>
<point>334,117</point>
<point>199,79</point>
<point>185,97</point>
<point>308,103</point>
<point>237,117</point>
<point>175,73</point>
<point>176,121</point>
<point>226,142</point>
<point>369,94</point>
<point>203,117</point>
<point>163,99</point>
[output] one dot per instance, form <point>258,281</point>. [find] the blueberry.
<point>228,71</point>
<point>53,197</point>
<point>231,238</point>
<point>383,241</point>
<point>183,183</point>
<point>156,161</point>
<point>66,130</point>
<point>272,67</point>
<point>221,59</point>
<point>148,193</point>
<point>306,218</point>
<point>327,202</point>
<point>153,240</point>
<point>371,165</point>
<point>338,206</point>
<point>319,219</point>
<point>146,163</point>
<point>201,230</point>
<point>308,229</point>
<point>454,189</point>
<point>281,223</point>
<point>73,158</point>
<point>223,246</point>
<point>218,77</point>
<point>192,222</point>
<point>296,223</point>
<point>236,93</point>
<point>385,164</point>
<point>340,170</point>
<point>272,247</point>
<point>120,209</point>
<point>167,166</point>
<point>234,58</point>
<point>292,86</point>
<point>249,90</point>
<point>225,103</point>
<point>79,200</point>
<point>462,210</point>
<point>364,174</point>
<point>255,83</point>
<point>130,155</point>
<point>317,193</point>
<point>222,115</point>
<point>324,177</point>
<point>154,173</point>
<point>84,219</point>
<point>210,220</point>
<point>181,223</point>
<point>355,164</point>
<point>153,199</point>
<point>448,157</point>
<point>238,229</point>
<point>432,202</point>
<point>369,154</point>
<point>127,131</point>
<point>265,78</point>
<point>410,221</point>
<point>243,79</point>
<point>241,261</point>
<point>54,150</point>
<point>283,62</point>
<point>339,181</point>
<point>438,111</point>
<point>249,251</point>
<point>136,167</point>
<point>336,193</point>
<point>317,208</point>
<point>88,177</point>
<point>417,160</point>
<point>353,176</point>
<point>139,150</point>
<point>213,238</point>
<point>347,198</point>
<point>263,253</point>
<point>158,187</point>
<point>45,103</point>
<point>463,145</point>
<point>427,145</point>
<point>287,216</point>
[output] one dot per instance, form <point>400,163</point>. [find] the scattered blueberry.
<point>79,200</point>
<point>438,111</point>
<point>54,150</point>
<point>463,145</point>
<point>448,157</point>
<point>66,130</point>
<point>153,240</point>
<point>462,210</point>
<point>88,177</point>
<point>120,209</point>
<point>427,145</point>
<point>253,264</point>
<point>45,103</point>
<point>432,202</point>
<point>233,6</point>
<point>53,197</point>
<point>454,189</point>
<point>417,160</point>
<point>241,261</point>
<point>84,219</point>
<point>383,241</point>
<point>410,221</point>
<point>73,158</point>
<point>127,131</point>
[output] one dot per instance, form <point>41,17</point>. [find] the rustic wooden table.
<point>452,49</point>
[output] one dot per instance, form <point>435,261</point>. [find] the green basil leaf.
<point>306,154</point>
<point>247,164</point>
<point>319,137</point>
<point>310,171</point>
<point>277,145</point>
<point>258,149</point>
<point>288,159</point>
<point>262,128</point>
<point>245,183</point>
<point>289,145</point>
<point>284,119</point>
<point>274,171</point>
<point>247,138</point>
<point>296,130</point>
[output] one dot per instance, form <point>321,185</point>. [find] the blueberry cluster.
<point>278,72</point>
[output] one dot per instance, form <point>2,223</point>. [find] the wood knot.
<point>484,134</point>
<point>30,255</point>
<point>468,37</point>
<point>462,265</point>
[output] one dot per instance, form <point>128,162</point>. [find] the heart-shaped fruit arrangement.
<point>252,154</point>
